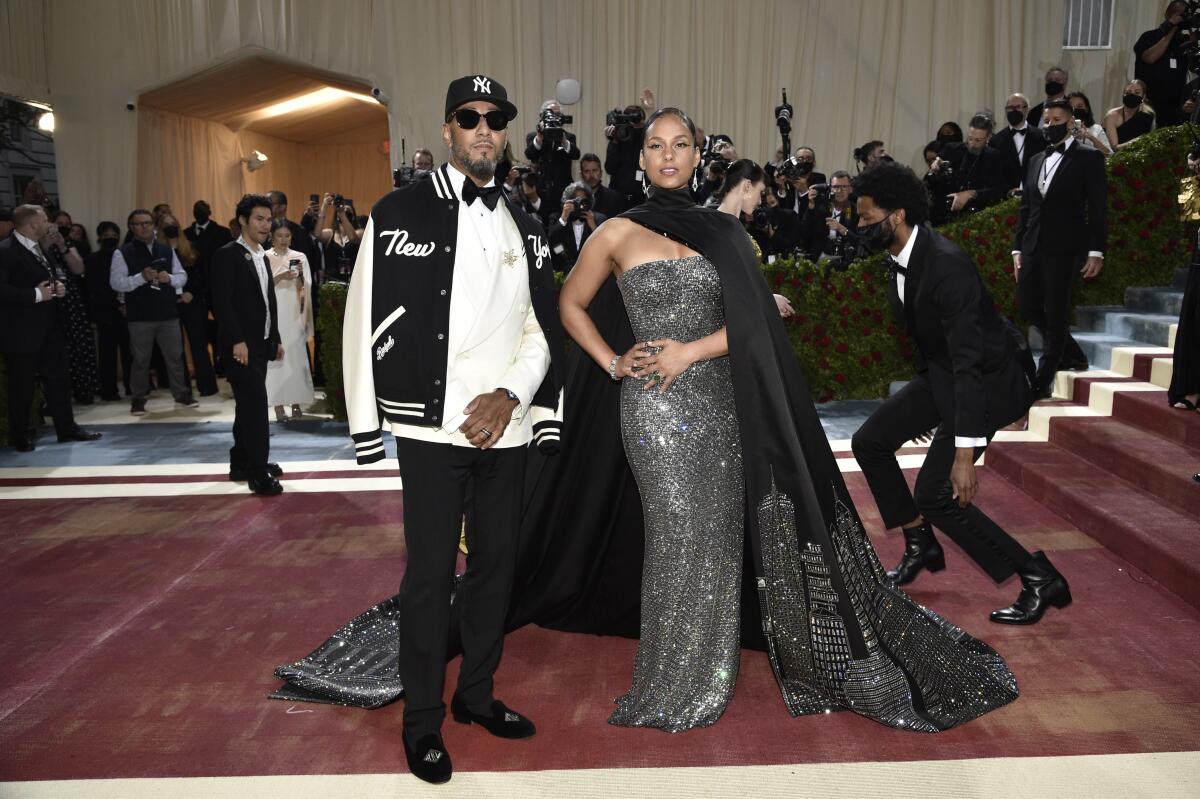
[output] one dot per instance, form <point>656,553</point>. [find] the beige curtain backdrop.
<point>182,159</point>
<point>854,69</point>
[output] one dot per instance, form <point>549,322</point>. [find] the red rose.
<point>1178,170</point>
<point>844,310</point>
<point>808,278</point>
<point>819,330</point>
<point>966,233</point>
<point>1010,220</point>
<point>841,378</point>
<point>843,323</point>
<point>864,361</point>
<point>778,280</point>
<point>795,282</point>
<point>981,241</point>
<point>823,363</point>
<point>856,295</point>
<point>876,355</point>
<point>841,348</point>
<point>1119,169</point>
<point>824,341</point>
<point>1143,233</point>
<point>867,331</point>
<point>1118,205</point>
<point>800,318</point>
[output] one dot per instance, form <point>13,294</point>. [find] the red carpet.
<point>141,635</point>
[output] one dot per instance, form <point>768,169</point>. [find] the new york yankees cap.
<point>478,87</point>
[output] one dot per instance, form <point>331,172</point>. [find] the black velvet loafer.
<point>428,759</point>
<point>501,722</point>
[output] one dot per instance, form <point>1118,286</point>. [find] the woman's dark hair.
<point>1089,119</point>
<point>957,134</point>
<point>249,202</point>
<point>107,227</point>
<point>934,145</point>
<point>742,169</point>
<point>675,112</point>
<point>893,186</point>
<point>863,154</point>
<point>276,224</point>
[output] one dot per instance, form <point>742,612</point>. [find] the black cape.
<point>838,636</point>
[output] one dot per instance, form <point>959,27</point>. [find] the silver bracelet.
<point>612,367</point>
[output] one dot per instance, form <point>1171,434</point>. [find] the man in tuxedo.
<point>552,150</point>
<point>207,236</point>
<point>1056,89</point>
<point>973,377</point>
<point>1018,142</point>
<point>575,225</point>
<point>966,176</point>
<point>1061,230</point>
<point>248,327</point>
<point>452,338</point>
<point>605,201</point>
<point>31,333</point>
<point>107,312</point>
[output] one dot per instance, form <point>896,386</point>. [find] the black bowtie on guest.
<point>489,194</point>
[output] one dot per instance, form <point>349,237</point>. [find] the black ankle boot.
<point>1041,587</point>
<point>921,551</point>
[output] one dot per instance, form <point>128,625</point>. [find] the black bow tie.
<point>490,195</point>
<point>1020,132</point>
<point>1060,149</point>
<point>896,268</point>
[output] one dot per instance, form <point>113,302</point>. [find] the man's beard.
<point>483,168</point>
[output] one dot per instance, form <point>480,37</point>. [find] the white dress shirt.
<point>259,257</point>
<point>1019,135</point>
<point>902,259</point>
<point>577,228</point>
<point>481,216</point>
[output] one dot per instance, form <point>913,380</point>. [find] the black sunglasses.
<point>468,119</point>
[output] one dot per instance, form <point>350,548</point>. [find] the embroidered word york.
<point>384,348</point>
<point>540,249</point>
<point>400,244</point>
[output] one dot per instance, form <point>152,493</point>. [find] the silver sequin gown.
<point>685,452</point>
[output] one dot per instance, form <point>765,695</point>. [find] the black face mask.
<point>171,231</point>
<point>108,244</point>
<point>1053,88</point>
<point>876,237</point>
<point>65,230</point>
<point>1055,133</point>
<point>1015,116</point>
<point>201,216</point>
<point>1131,100</point>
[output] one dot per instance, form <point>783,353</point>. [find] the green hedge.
<point>843,331</point>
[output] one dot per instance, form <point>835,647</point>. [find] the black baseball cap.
<point>478,87</point>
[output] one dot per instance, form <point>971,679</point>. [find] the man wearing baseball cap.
<point>452,340</point>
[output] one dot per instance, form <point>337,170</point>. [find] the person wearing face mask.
<point>1162,64</point>
<point>974,376</point>
<point>1018,142</point>
<point>1061,229</point>
<point>975,178</point>
<point>192,305</point>
<point>207,236</point>
<point>1056,89</point>
<point>107,313</point>
<point>1085,129</point>
<point>1132,118</point>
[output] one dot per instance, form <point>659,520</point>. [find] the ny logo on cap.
<point>483,84</point>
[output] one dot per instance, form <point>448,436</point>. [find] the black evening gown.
<point>1185,367</point>
<point>1139,124</point>
<point>838,636</point>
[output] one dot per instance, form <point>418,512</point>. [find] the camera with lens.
<point>552,127</point>
<point>823,191</point>
<point>408,174</point>
<point>623,122</point>
<point>338,201</point>
<point>581,205</point>
<point>761,217</point>
<point>794,169</point>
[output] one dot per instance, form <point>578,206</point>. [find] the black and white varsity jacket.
<point>406,286</point>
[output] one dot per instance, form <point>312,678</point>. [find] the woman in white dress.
<point>289,380</point>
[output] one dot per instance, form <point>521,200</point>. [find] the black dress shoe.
<point>23,444</point>
<point>1041,587</point>
<point>921,551</point>
<point>265,485</point>
<point>242,475</point>
<point>501,722</point>
<point>428,759</point>
<point>81,435</point>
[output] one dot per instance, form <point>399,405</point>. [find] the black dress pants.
<point>251,426</point>
<point>435,479</point>
<point>112,342</point>
<point>193,317</point>
<point>1044,295</point>
<point>906,414</point>
<point>50,364</point>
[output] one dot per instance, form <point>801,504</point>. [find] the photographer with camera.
<point>831,221</point>
<point>793,179</point>
<point>871,153</point>
<point>339,236</point>
<point>1162,61</point>
<point>552,149</point>
<point>574,226</point>
<point>605,200</point>
<point>625,129</point>
<point>966,177</point>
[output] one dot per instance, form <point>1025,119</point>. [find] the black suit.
<point>207,242</point>
<point>973,377</point>
<point>1005,142</point>
<point>32,340</point>
<point>1054,234</point>
<point>554,169</point>
<point>983,174</point>
<point>563,251</point>
<point>242,319</point>
<point>606,201</point>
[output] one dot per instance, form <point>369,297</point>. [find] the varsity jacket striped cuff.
<point>357,371</point>
<point>368,447</point>
<point>547,427</point>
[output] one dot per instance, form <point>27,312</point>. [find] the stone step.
<point>1154,300</point>
<point>1147,328</point>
